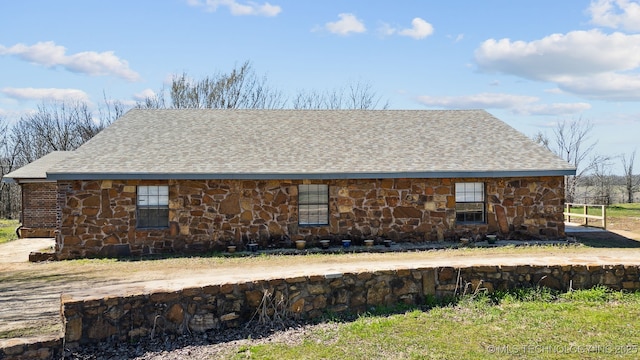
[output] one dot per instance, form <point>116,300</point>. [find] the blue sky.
<point>530,64</point>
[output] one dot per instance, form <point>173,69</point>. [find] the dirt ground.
<point>30,292</point>
<point>625,223</point>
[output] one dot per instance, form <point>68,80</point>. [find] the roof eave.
<point>9,180</point>
<point>308,176</point>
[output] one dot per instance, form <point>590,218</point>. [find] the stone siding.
<point>126,317</point>
<point>39,209</point>
<point>99,217</point>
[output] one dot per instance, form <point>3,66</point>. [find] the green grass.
<point>624,210</point>
<point>8,230</point>
<point>524,324</point>
<point>618,210</point>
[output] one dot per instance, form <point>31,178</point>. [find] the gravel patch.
<point>210,345</point>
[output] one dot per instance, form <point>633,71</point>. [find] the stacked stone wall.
<point>32,348</point>
<point>39,209</point>
<point>128,317</point>
<point>98,218</point>
<point>217,307</point>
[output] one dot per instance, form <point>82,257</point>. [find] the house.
<point>39,215</point>
<point>159,181</point>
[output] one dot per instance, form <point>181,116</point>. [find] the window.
<point>153,206</point>
<point>470,202</point>
<point>313,204</point>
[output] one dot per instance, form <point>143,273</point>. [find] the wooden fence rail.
<point>585,213</point>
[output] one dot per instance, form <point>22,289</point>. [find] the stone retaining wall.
<point>216,307</point>
<point>99,217</point>
<point>31,348</point>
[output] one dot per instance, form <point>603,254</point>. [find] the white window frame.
<point>470,203</point>
<point>152,205</point>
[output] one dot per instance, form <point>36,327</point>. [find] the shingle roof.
<point>37,170</point>
<point>294,144</point>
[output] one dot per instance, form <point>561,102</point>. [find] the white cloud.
<point>517,104</point>
<point>477,101</point>
<point>556,109</point>
<point>386,30</point>
<point>46,94</point>
<point>554,91</point>
<point>616,14</point>
<point>238,8</point>
<point>144,94</point>
<point>607,86</point>
<point>347,24</point>
<point>420,29</point>
<point>573,61</point>
<point>88,62</point>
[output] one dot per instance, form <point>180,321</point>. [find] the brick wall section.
<point>98,218</point>
<point>126,317</point>
<point>39,209</point>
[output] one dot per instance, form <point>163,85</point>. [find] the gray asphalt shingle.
<point>37,170</point>
<point>202,143</point>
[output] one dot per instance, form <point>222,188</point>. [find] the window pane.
<point>163,217</point>
<point>470,202</point>
<point>470,212</point>
<point>152,200</point>
<point>143,218</point>
<point>153,206</point>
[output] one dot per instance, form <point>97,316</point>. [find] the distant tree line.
<point>57,126</point>
<point>65,125</point>
<point>242,88</point>
<point>594,181</point>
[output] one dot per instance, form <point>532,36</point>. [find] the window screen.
<point>313,204</point>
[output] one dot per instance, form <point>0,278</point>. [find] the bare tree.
<point>156,101</point>
<point>9,193</point>
<point>358,95</point>
<point>109,112</point>
<point>362,97</point>
<point>241,88</point>
<point>631,181</point>
<point>542,139</point>
<point>55,126</point>
<point>58,126</point>
<point>603,179</point>
<point>571,142</point>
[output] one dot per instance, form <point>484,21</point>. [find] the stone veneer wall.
<point>39,209</point>
<point>215,307</point>
<point>99,217</point>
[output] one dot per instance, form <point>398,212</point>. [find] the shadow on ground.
<point>605,239</point>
